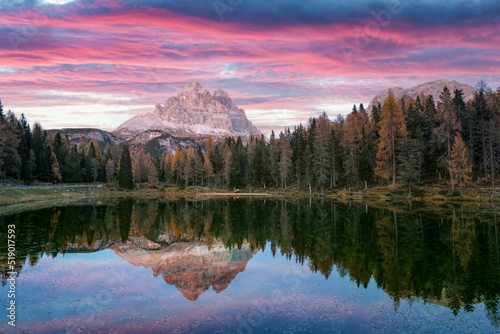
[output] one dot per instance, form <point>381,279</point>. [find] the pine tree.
<point>410,161</point>
<point>125,177</point>
<point>392,124</point>
<point>274,158</point>
<point>73,168</point>
<point>321,159</point>
<point>24,150</point>
<point>285,159</point>
<point>447,120</point>
<point>492,141</point>
<point>46,164</point>
<point>458,165</point>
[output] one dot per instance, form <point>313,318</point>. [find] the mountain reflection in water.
<point>443,255</point>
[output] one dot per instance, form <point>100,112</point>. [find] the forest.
<point>410,142</point>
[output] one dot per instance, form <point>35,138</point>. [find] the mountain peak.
<point>433,88</point>
<point>193,113</point>
<point>192,85</point>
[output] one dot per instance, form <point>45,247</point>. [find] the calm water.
<point>253,266</point>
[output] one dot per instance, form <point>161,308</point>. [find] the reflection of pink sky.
<point>64,291</point>
<point>99,69</point>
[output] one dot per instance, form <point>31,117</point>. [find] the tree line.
<point>409,141</point>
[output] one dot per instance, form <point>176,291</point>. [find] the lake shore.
<point>28,194</point>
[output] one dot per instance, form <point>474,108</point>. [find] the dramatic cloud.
<point>95,63</point>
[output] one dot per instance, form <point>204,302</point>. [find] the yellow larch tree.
<point>392,124</point>
<point>458,165</point>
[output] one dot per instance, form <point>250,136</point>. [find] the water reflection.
<point>447,256</point>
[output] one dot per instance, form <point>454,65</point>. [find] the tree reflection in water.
<point>449,256</point>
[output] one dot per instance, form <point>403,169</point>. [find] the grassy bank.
<point>10,196</point>
<point>18,195</point>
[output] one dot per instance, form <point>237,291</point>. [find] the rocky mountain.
<point>193,113</point>
<point>86,134</point>
<point>192,267</point>
<point>433,88</point>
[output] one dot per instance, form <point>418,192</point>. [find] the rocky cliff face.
<point>76,135</point>
<point>192,113</point>
<point>192,267</point>
<point>433,88</point>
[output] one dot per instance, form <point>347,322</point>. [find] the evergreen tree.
<point>46,174</point>
<point>274,158</point>
<point>73,168</point>
<point>285,159</point>
<point>459,106</point>
<point>24,150</point>
<point>125,177</point>
<point>447,124</point>
<point>410,161</point>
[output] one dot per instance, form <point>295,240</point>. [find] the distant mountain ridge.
<point>433,88</point>
<point>194,113</point>
<point>86,134</point>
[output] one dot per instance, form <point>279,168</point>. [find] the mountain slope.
<point>86,134</point>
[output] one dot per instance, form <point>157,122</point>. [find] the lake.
<point>252,266</point>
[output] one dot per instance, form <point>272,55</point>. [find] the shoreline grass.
<point>399,193</point>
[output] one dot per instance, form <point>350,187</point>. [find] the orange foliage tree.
<point>392,124</point>
<point>458,165</point>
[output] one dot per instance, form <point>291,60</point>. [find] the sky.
<point>96,63</point>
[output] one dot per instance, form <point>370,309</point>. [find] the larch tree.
<point>176,159</point>
<point>56,170</point>
<point>167,167</point>
<point>354,129</point>
<point>208,170</point>
<point>125,177</point>
<point>110,170</point>
<point>141,166</point>
<point>391,125</point>
<point>458,165</point>
<point>9,154</point>
<point>187,168</point>
<point>152,175</point>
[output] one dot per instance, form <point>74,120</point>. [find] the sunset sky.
<point>97,63</point>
